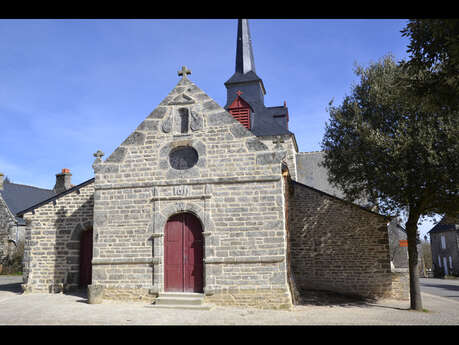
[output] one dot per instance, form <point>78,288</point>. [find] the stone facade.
<point>235,189</point>
<point>337,246</point>
<point>52,244</point>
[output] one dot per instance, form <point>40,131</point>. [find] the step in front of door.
<point>181,300</point>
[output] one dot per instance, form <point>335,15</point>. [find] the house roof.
<point>54,197</point>
<point>18,196</point>
<point>446,224</point>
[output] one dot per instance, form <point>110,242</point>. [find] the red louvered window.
<point>240,110</point>
<point>242,115</point>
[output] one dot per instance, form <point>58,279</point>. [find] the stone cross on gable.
<point>239,92</point>
<point>184,71</point>
<point>98,155</point>
<point>278,143</point>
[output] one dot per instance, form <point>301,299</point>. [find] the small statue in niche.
<point>167,123</point>
<point>196,121</point>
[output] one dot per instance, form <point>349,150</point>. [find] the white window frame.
<point>443,242</point>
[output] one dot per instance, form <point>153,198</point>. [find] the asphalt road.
<point>448,288</point>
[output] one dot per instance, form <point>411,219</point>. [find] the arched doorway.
<point>85,258</point>
<point>183,254</point>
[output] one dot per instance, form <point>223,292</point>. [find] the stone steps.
<point>181,300</point>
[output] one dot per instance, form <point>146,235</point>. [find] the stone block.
<point>95,294</point>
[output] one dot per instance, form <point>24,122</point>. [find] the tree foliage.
<point>434,59</point>
<point>385,144</point>
<point>391,146</point>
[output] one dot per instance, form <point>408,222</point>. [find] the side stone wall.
<point>6,222</point>
<point>337,246</point>
<point>52,241</point>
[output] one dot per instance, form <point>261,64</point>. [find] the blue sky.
<point>71,87</point>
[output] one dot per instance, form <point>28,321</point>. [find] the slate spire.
<point>244,53</point>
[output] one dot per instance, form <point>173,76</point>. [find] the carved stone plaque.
<point>183,157</point>
<point>181,190</point>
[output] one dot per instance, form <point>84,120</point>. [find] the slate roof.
<point>342,200</point>
<point>54,197</point>
<point>446,224</point>
<point>19,197</point>
<point>238,77</point>
<point>262,127</point>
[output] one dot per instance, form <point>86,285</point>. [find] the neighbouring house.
<point>15,197</point>
<point>444,243</point>
<point>211,200</point>
<point>398,247</point>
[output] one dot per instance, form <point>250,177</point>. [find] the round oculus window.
<point>183,157</point>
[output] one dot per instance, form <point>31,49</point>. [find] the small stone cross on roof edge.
<point>278,143</point>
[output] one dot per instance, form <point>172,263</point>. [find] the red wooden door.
<point>85,258</point>
<point>183,254</point>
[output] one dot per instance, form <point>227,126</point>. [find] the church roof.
<point>238,77</point>
<point>342,200</point>
<point>264,128</point>
<point>19,197</point>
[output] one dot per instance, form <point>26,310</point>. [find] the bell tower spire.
<point>244,51</point>
<point>245,92</point>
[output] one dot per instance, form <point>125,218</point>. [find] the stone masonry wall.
<point>337,246</point>
<point>287,144</point>
<point>7,221</point>
<point>52,242</point>
<point>235,189</point>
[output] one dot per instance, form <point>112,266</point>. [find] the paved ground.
<point>60,309</point>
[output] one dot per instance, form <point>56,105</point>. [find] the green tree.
<point>433,62</point>
<point>384,143</point>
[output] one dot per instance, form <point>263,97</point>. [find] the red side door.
<point>183,254</point>
<point>85,258</point>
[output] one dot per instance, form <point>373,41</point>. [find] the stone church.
<point>210,200</point>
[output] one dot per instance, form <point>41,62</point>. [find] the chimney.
<point>1,181</point>
<point>62,181</point>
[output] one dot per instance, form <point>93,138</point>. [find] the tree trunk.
<point>415,290</point>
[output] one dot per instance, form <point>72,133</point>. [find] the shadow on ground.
<point>328,298</point>
<point>80,292</point>
<point>13,287</point>
<point>10,283</point>
<point>443,286</point>
<point>331,299</point>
